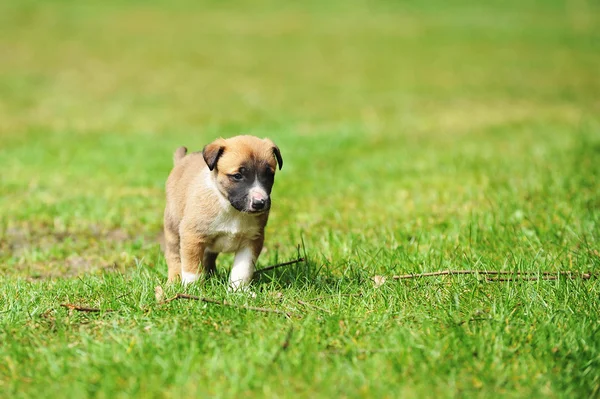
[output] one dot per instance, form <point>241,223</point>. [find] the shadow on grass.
<point>318,276</point>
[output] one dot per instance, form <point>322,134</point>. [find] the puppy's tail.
<point>179,154</point>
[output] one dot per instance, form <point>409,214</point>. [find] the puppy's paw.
<point>187,278</point>
<point>241,288</point>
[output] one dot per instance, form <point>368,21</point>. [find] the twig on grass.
<point>284,345</point>
<point>224,303</point>
<point>179,296</point>
<point>452,272</point>
<point>491,280</point>
<point>291,262</point>
<point>79,308</point>
<point>521,275</point>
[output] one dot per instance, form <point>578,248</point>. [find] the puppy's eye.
<point>237,176</point>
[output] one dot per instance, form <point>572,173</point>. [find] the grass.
<point>417,136</point>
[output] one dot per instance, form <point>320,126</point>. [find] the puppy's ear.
<point>276,152</point>
<point>212,152</point>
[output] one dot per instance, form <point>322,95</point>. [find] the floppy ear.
<point>278,156</point>
<point>277,153</point>
<point>212,152</point>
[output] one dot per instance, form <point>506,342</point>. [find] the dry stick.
<point>583,276</point>
<point>82,308</point>
<point>291,262</point>
<point>224,303</point>
<point>179,296</point>
<point>491,280</point>
<point>451,272</point>
<point>314,306</point>
<point>492,272</point>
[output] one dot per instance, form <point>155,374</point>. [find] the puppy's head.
<point>244,170</point>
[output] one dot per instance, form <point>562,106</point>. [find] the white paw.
<point>187,277</point>
<point>239,287</point>
<point>245,293</point>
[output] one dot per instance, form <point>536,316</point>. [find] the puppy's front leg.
<point>192,250</point>
<point>243,265</point>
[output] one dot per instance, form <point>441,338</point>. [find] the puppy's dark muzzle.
<point>259,204</point>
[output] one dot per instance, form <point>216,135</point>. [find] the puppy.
<point>218,200</point>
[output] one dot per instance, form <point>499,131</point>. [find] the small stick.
<point>82,308</point>
<point>180,296</point>
<point>492,272</point>
<point>314,306</point>
<point>583,276</point>
<point>452,272</point>
<point>224,303</point>
<point>291,262</point>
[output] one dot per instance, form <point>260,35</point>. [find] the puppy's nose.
<point>258,203</point>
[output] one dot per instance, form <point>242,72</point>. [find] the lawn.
<point>417,136</point>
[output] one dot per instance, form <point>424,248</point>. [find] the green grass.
<point>417,136</point>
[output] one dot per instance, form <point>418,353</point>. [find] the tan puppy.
<point>218,200</point>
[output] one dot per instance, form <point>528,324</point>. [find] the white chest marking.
<point>231,230</point>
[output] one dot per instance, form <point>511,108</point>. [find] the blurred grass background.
<point>395,118</point>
